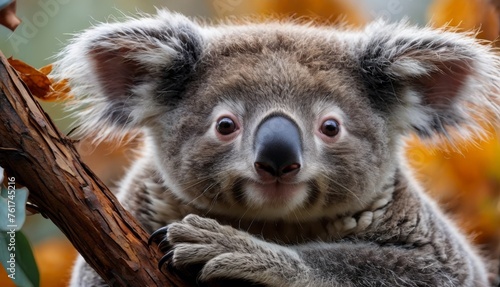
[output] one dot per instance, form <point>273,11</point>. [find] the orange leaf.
<point>37,82</point>
<point>46,69</point>
<point>59,90</point>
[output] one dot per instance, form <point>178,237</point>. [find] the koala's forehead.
<point>276,67</point>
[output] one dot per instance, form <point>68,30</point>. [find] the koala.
<point>272,150</point>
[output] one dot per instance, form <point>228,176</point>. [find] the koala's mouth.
<point>278,192</point>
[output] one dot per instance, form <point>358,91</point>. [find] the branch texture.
<point>34,151</point>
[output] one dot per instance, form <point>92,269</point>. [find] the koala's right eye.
<point>226,126</point>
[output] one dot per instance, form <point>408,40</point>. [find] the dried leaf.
<point>40,84</point>
<point>37,82</point>
<point>46,69</point>
<point>60,90</point>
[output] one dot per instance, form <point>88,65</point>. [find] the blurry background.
<point>465,181</point>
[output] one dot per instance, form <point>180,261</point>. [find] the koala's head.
<point>278,120</point>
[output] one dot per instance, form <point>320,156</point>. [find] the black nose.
<point>278,147</point>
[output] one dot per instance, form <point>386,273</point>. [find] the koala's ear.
<point>124,73</point>
<point>430,80</point>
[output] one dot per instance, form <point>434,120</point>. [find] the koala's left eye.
<point>330,128</point>
<point>226,126</point>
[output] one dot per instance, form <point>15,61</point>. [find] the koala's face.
<point>273,134</point>
<point>276,120</point>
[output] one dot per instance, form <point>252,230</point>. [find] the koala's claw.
<point>154,236</point>
<point>166,258</point>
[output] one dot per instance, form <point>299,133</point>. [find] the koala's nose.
<point>278,147</point>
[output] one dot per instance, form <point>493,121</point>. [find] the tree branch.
<point>66,191</point>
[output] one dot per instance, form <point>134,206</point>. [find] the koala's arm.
<point>410,244</point>
<point>369,264</point>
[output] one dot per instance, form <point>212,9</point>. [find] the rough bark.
<point>67,192</point>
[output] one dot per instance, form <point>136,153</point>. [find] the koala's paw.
<point>227,253</point>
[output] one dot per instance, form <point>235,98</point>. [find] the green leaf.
<point>17,258</point>
<point>12,204</point>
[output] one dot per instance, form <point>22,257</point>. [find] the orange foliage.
<point>467,181</point>
<point>468,15</point>
<point>39,83</point>
<point>109,159</point>
<point>328,11</point>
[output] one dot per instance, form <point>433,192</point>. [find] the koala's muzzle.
<point>278,147</point>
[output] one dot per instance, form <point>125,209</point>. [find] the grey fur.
<point>357,218</point>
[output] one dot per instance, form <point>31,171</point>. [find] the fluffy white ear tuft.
<point>430,80</point>
<point>124,73</point>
